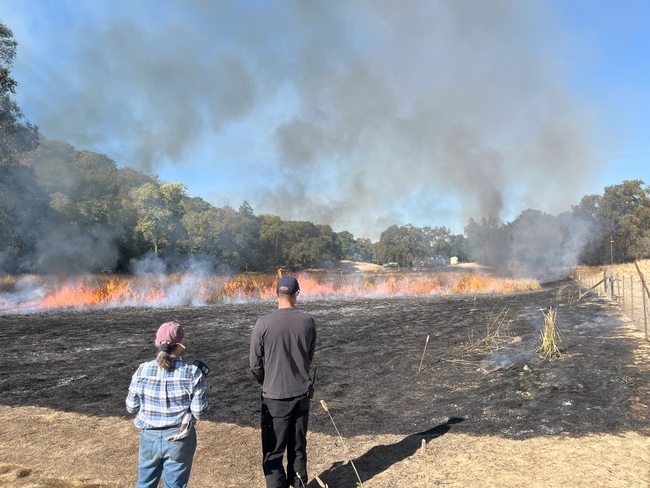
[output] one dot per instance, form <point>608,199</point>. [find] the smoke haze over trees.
<point>80,212</point>
<point>68,211</point>
<point>368,113</point>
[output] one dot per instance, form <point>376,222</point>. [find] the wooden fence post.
<point>579,287</point>
<point>644,288</point>
<point>609,282</point>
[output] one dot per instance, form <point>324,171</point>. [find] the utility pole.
<point>611,251</point>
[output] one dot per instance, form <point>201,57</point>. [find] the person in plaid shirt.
<point>162,393</point>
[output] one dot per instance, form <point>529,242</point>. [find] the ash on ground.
<point>368,356</point>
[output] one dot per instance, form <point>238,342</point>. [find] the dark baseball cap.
<point>287,285</point>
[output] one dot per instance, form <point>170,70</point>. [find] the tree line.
<point>65,210</point>
<point>77,210</point>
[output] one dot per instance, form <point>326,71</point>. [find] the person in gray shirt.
<point>281,352</point>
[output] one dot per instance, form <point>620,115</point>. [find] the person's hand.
<point>186,427</point>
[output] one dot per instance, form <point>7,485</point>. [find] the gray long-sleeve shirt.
<point>282,348</point>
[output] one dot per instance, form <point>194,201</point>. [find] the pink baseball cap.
<point>170,332</point>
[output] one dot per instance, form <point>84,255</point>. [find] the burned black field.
<point>367,360</point>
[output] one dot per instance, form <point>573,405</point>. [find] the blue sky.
<point>358,114</point>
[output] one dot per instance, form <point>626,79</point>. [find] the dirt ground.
<point>488,418</point>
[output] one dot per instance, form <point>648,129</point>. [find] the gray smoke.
<point>368,113</point>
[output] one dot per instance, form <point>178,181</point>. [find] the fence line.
<point>629,291</point>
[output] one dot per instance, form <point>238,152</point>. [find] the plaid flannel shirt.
<point>161,397</point>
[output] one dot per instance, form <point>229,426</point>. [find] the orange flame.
<point>172,290</point>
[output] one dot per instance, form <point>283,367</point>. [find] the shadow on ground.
<point>379,458</point>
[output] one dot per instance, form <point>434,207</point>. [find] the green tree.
<point>296,244</point>
<point>365,250</point>
<point>23,206</point>
<point>160,211</point>
<point>346,245</point>
<point>24,214</point>
<point>535,239</point>
<point>229,237</point>
<point>402,245</point>
<point>17,135</point>
<point>624,216</point>
<point>487,241</point>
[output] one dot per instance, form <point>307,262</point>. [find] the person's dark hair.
<point>165,357</point>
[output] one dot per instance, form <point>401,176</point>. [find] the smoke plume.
<point>355,114</point>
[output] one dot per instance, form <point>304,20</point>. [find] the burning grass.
<point>37,293</point>
<point>585,415</point>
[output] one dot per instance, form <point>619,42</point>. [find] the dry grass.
<point>15,475</point>
<point>626,269</point>
<point>347,451</point>
<point>629,269</point>
<point>568,291</point>
<point>496,333</point>
<point>551,336</point>
<point>63,445</point>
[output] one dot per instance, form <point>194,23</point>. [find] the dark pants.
<point>284,426</point>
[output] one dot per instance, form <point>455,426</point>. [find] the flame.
<point>174,290</point>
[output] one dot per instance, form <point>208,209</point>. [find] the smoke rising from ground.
<point>362,114</point>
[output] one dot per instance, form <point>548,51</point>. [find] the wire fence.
<point>630,291</point>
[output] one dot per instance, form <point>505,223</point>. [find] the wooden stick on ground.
<point>423,353</point>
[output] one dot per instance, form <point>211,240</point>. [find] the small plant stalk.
<point>320,483</point>
<point>324,405</point>
<point>423,353</point>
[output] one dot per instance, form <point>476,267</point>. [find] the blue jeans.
<point>171,459</point>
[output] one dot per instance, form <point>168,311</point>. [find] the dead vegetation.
<point>495,334</point>
<point>624,269</point>
<point>573,415</point>
<point>14,475</point>
<point>567,292</point>
<point>551,336</point>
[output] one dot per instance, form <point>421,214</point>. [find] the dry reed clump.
<point>551,336</point>
<point>496,333</point>
<point>18,476</point>
<point>567,291</point>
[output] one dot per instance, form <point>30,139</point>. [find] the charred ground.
<point>367,358</point>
